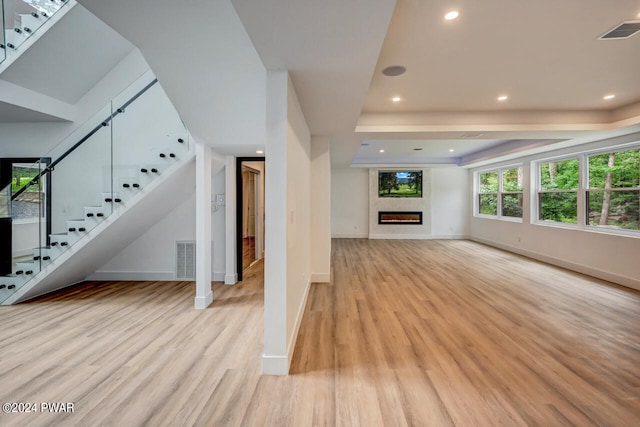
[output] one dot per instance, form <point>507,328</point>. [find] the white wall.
<point>152,255</point>
<point>287,252</point>
<point>320,210</point>
<point>419,204</point>
<point>205,61</point>
<point>609,257</point>
<point>350,203</point>
<point>218,230</point>
<point>450,207</point>
<point>445,203</point>
<point>299,216</point>
<point>38,138</point>
<point>81,178</point>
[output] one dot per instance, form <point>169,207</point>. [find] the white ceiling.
<point>544,55</point>
<point>87,59</point>
<point>330,48</point>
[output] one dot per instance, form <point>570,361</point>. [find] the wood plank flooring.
<point>416,333</point>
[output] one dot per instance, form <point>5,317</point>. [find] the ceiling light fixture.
<point>382,151</point>
<point>503,98</point>
<point>396,99</point>
<point>451,15</point>
<point>608,97</point>
<point>394,70</point>
<point>259,152</point>
<point>451,150</point>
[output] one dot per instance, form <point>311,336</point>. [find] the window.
<point>558,191</point>
<point>512,192</point>
<point>613,190</point>
<point>595,189</point>
<point>488,194</point>
<point>500,192</point>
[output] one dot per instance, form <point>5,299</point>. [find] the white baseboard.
<point>278,364</point>
<point>231,279</point>
<point>629,282</point>
<point>449,237</point>
<point>202,302</point>
<point>350,236</point>
<point>401,236</point>
<point>320,277</point>
<point>296,327</point>
<point>134,276</point>
<point>275,365</point>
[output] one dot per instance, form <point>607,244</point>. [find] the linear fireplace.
<point>400,217</point>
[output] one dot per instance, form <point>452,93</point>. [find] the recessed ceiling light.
<point>394,70</point>
<point>451,150</point>
<point>259,152</point>
<point>608,97</point>
<point>382,151</point>
<point>451,15</point>
<point>396,99</point>
<point>503,98</point>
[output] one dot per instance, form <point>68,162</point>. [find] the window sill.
<point>499,218</point>
<point>590,229</point>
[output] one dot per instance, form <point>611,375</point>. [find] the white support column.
<point>204,296</point>
<point>231,273</point>
<point>275,360</point>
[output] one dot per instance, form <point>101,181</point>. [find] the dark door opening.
<point>249,211</point>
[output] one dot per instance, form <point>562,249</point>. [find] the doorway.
<point>25,209</point>
<point>250,211</point>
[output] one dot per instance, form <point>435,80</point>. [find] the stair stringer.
<point>115,233</point>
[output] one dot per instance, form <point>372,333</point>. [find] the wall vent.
<point>622,31</point>
<point>186,260</point>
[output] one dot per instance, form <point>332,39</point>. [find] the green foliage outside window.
<point>609,202</point>
<point>611,173</point>
<point>501,191</point>
<point>559,206</point>
<point>21,177</point>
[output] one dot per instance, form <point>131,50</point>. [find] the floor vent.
<point>185,260</point>
<point>622,31</point>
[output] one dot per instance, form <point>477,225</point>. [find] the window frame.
<point>499,193</point>
<point>536,206</point>
<point>582,222</point>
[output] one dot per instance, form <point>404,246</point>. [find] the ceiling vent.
<point>622,31</point>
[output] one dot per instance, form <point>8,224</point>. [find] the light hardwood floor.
<point>424,333</point>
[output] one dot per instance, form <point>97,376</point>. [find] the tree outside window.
<point>613,191</point>
<point>488,193</point>
<point>558,194</point>
<point>500,192</point>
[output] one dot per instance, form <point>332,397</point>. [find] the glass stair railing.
<point>21,19</point>
<point>94,173</point>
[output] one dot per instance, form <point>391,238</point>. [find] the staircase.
<point>126,163</point>
<point>23,18</point>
